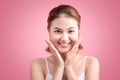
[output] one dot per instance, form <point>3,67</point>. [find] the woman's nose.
<point>64,37</point>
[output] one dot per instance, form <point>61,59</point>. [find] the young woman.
<point>65,62</point>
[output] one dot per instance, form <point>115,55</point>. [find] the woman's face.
<point>64,33</point>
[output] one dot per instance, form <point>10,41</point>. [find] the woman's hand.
<point>71,55</point>
<point>69,60</point>
<point>61,65</point>
<point>57,57</point>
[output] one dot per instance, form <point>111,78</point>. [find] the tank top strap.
<point>84,61</point>
<point>47,65</point>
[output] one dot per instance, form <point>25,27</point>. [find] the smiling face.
<point>64,33</point>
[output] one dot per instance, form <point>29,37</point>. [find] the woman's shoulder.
<point>37,69</point>
<point>92,59</point>
<point>92,62</point>
<point>37,63</point>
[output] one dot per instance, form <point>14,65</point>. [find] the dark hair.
<point>63,9</point>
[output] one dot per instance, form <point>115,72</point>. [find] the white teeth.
<point>64,44</point>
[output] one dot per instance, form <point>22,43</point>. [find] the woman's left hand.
<point>70,74</point>
<point>71,55</point>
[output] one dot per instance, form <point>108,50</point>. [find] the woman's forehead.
<point>64,22</point>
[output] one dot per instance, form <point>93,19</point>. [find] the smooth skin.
<point>65,62</point>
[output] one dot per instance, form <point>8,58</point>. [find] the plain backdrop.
<point>23,30</point>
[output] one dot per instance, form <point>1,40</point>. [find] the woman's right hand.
<point>56,56</point>
<point>58,61</point>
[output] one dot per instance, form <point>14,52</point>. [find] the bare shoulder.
<point>92,68</point>
<point>37,69</point>
<point>92,60</point>
<point>92,63</point>
<point>39,62</point>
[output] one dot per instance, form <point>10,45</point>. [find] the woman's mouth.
<point>64,45</point>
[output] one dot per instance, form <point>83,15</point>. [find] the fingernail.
<point>46,40</point>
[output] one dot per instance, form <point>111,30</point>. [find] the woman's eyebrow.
<point>57,28</point>
<point>72,28</point>
<point>61,29</point>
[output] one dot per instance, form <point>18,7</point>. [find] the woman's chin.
<point>63,51</point>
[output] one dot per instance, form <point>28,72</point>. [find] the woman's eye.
<point>57,31</point>
<point>71,31</point>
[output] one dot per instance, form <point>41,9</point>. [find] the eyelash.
<point>58,31</point>
<point>71,31</point>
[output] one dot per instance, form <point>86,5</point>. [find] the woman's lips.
<point>64,45</point>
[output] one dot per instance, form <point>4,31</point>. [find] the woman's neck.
<point>64,55</point>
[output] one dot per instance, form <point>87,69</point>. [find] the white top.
<point>81,76</point>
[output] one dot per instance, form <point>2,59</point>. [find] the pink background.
<point>23,30</point>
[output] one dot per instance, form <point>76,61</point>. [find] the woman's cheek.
<point>54,39</point>
<point>74,38</point>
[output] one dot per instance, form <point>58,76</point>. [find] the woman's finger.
<point>51,47</point>
<point>75,47</point>
<point>49,44</point>
<point>55,53</point>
